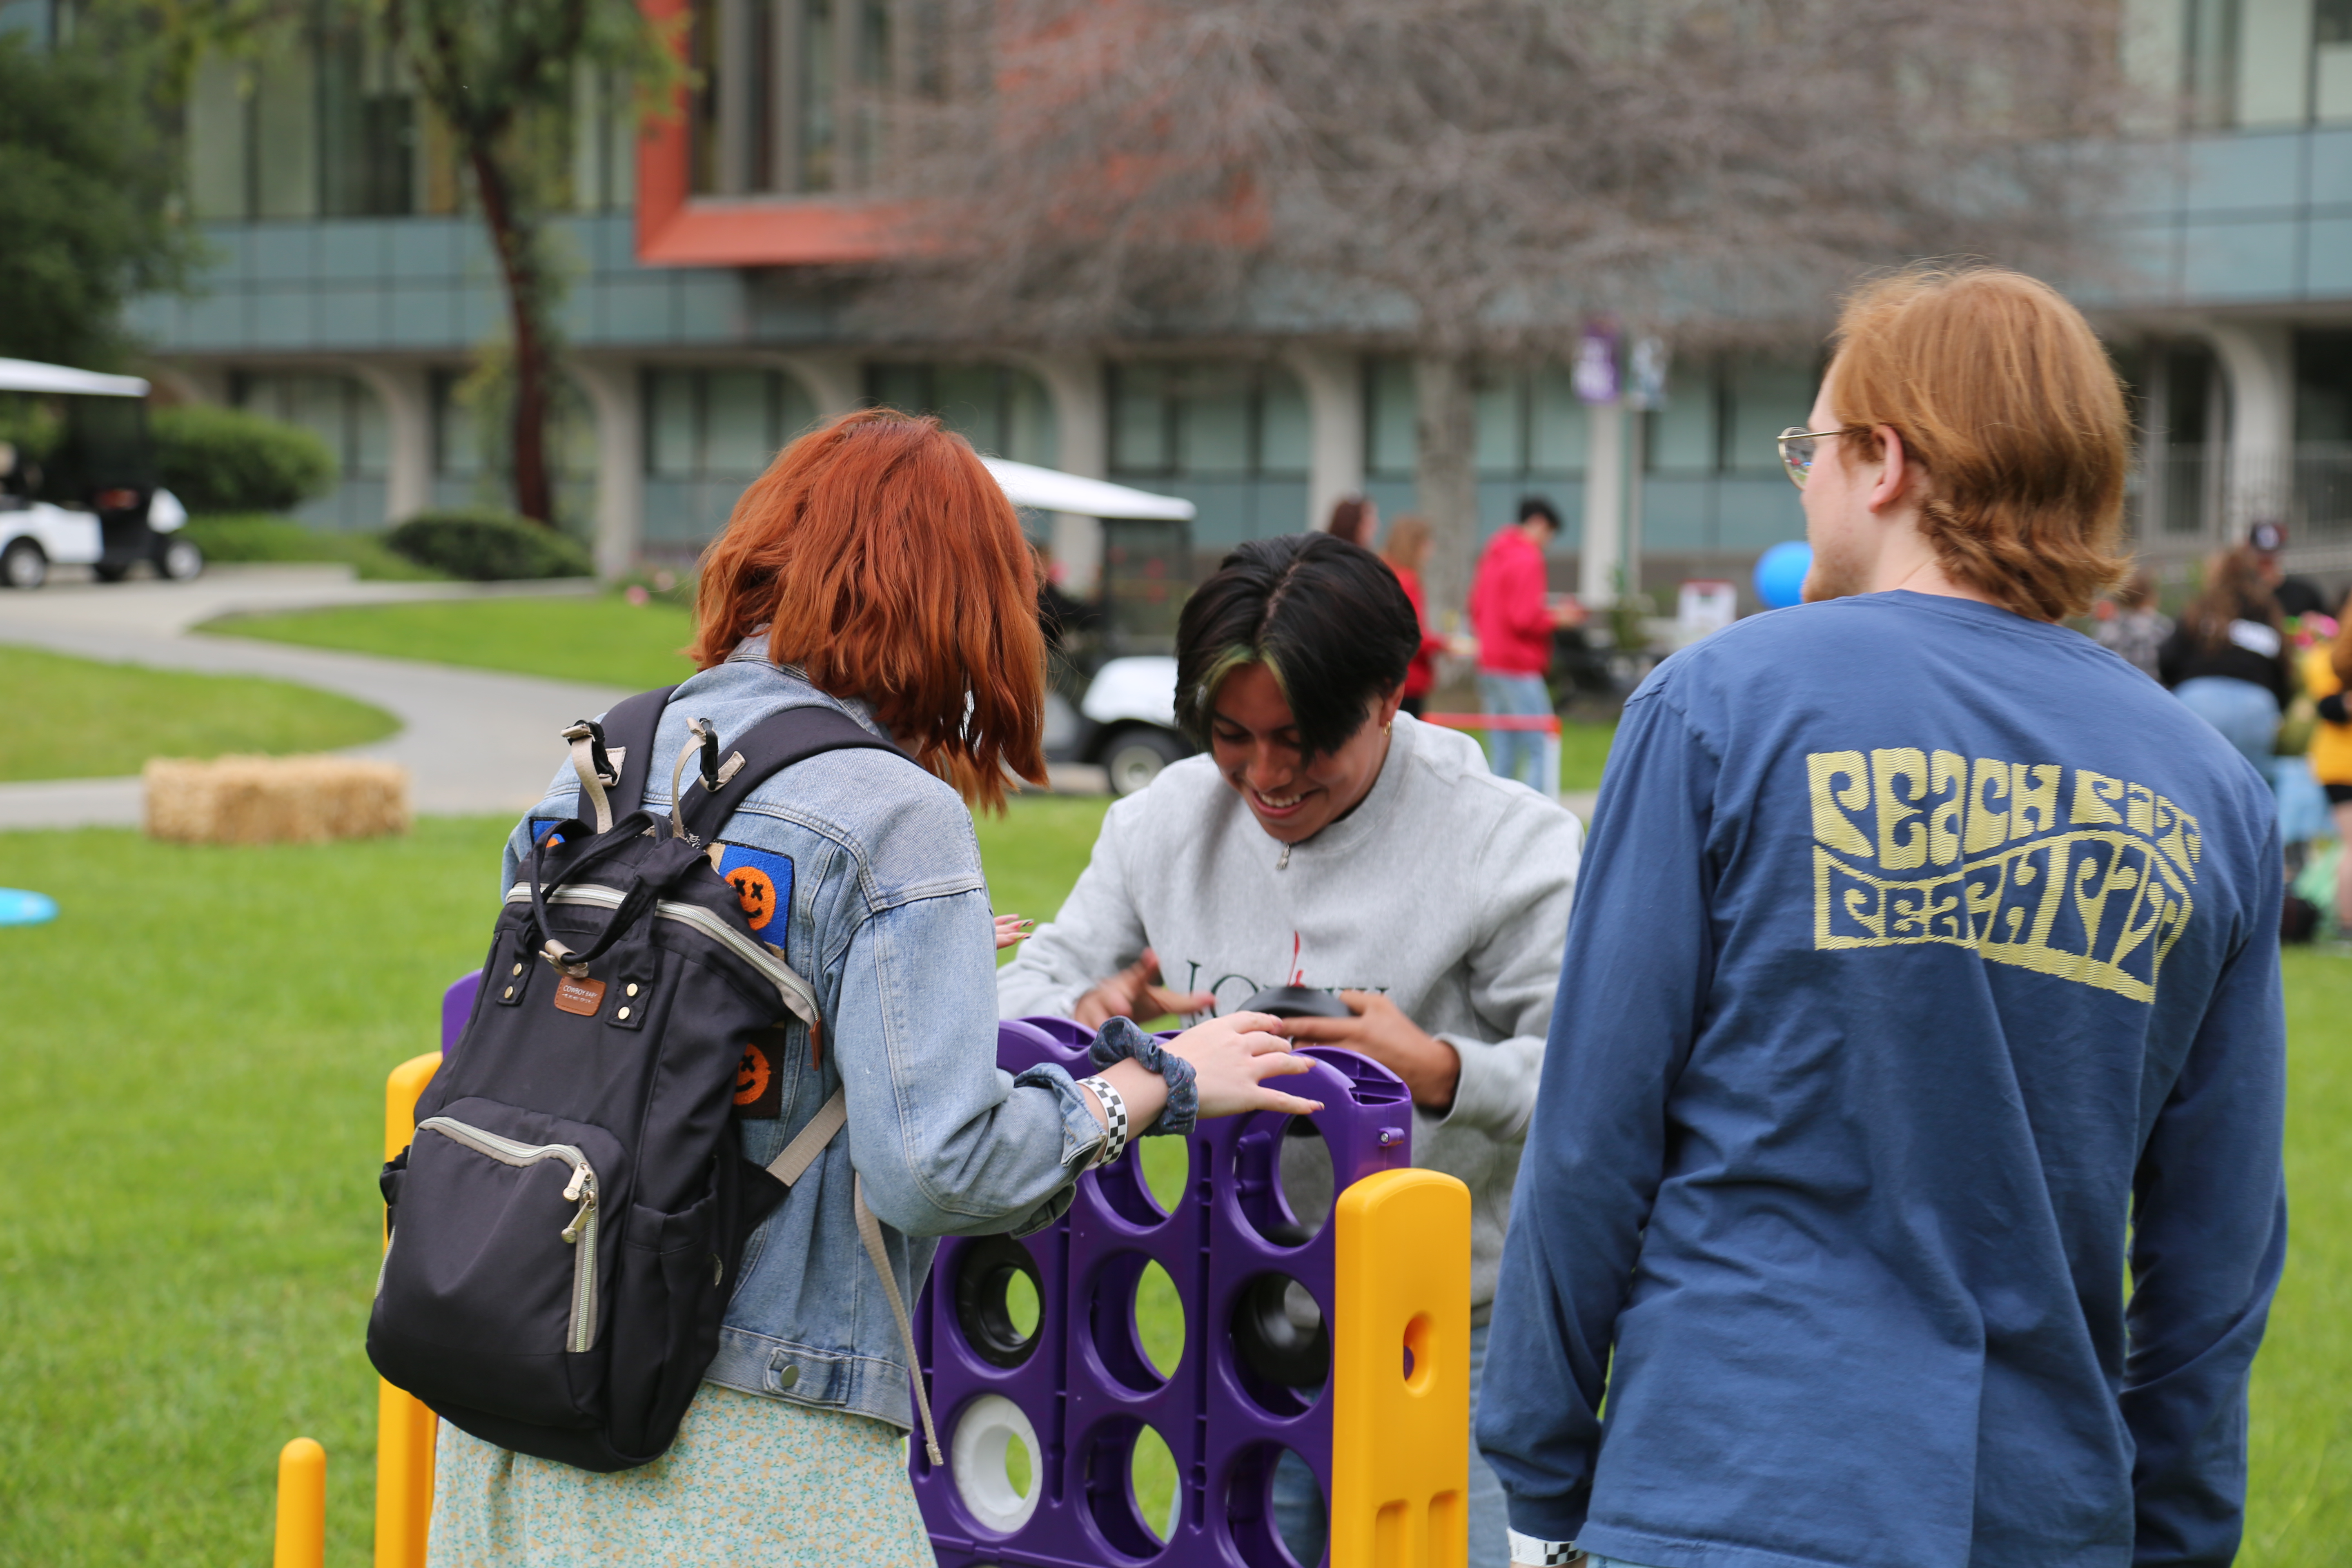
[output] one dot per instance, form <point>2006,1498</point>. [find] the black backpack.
<point>566,1223</point>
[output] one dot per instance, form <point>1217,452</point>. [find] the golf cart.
<point>1126,719</point>
<point>78,479</point>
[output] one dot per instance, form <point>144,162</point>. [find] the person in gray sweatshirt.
<point>1327,841</point>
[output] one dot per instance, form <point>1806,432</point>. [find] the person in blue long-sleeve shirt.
<point>1906,1171</point>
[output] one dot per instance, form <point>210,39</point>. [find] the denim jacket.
<point>887,917</point>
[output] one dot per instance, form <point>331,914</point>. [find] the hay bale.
<point>274,800</point>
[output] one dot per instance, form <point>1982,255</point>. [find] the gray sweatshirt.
<point>1447,888</point>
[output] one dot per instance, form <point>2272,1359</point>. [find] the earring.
<point>1389,726</point>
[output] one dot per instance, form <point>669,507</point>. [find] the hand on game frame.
<point>1013,929</point>
<point>1231,1058</point>
<point>1232,1055</point>
<point>1379,1030</point>
<point>1136,993</point>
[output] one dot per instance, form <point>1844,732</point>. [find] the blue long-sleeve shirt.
<point>1922,978</point>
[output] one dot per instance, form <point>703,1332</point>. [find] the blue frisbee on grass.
<point>20,907</point>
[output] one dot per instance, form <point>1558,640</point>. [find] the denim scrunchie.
<point>1121,1040</point>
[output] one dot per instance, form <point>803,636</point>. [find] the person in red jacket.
<point>1514,621</point>
<point>1407,554</point>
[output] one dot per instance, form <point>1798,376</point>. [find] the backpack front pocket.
<point>497,1268</point>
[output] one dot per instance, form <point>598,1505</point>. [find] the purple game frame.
<point>1084,1384</point>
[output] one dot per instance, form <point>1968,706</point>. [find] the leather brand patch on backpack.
<point>580,996</point>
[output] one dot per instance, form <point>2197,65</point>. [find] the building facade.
<point>354,291</point>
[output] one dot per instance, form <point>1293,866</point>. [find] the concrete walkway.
<point>475,742</point>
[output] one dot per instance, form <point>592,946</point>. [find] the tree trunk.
<point>1445,477</point>
<point>516,244</point>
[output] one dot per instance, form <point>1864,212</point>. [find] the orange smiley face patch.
<point>756,892</point>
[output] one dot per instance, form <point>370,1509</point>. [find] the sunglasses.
<point>1797,451</point>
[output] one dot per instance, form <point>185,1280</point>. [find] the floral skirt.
<point>748,1482</point>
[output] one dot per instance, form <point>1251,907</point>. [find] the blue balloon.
<point>19,908</point>
<point>1781,573</point>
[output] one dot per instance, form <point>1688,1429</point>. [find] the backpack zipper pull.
<point>582,1191</point>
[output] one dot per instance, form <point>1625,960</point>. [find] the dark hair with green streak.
<point>1328,619</point>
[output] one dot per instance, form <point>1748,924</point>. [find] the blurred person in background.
<point>2129,626</point>
<point>1514,620</point>
<point>2228,659</point>
<point>2297,597</point>
<point>1354,518</point>
<point>2326,675</point>
<point>1407,553</point>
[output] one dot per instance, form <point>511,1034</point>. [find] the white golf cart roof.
<point>31,375</point>
<point>1050,490</point>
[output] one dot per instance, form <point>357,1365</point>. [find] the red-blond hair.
<point>888,565</point>
<point>2001,393</point>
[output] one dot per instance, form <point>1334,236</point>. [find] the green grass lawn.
<point>602,638</point>
<point>195,1053</point>
<point>64,717</point>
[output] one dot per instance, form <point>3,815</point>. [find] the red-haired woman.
<point>876,569</point>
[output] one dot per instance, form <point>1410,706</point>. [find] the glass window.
<point>967,398</point>
<point>1284,439</point>
<point>1219,419</point>
<point>367,128</point>
<point>738,436</point>
<point>340,410</point>
<point>1499,423</point>
<point>817,88</point>
<point>286,138</point>
<point>456,434</point>
<point>671,450</point>
<point>1766,396</point>
<point>1140,441</point>
<point>217,142</point>
<point>1030,435</point>
<point>2323,386</point>
<point>1212,420</point>
<point>1557,441</point>
<point>1682,435</point>
<point>901,386</point>
<point>1391,443</point>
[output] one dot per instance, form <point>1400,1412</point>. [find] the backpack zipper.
<point>582,1190</point>
<point>795,991</point>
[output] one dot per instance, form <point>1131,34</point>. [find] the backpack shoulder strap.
<point>769,746</point>
<point>601,753</point>
<point>629,729</point>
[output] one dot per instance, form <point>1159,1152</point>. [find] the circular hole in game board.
<point>993,1458</point>
<point>1109,1479</point>
<point>1282,1346</point>
<point>1282,1178</point>
<point>1136,1321</point>
<point>997,1301</point>
<point>1128,1183</point>
<point>1151,1472</point>
<point>1275,1510</point>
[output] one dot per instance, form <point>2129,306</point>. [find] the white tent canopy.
<point>1050,490</point>
<point>31,375</point>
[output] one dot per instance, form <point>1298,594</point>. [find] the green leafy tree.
<point>500,74</point>
<point>88,217</point>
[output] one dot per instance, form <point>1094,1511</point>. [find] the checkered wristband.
<point>1115,1114</point>
<point>1121,1040</point>
<point>1527,1549</point>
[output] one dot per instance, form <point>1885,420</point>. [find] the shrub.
<point>256,537</point>
<point>224,459</point>
<point>486,545</point>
